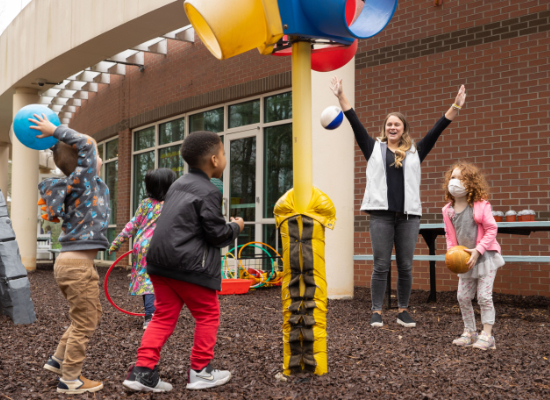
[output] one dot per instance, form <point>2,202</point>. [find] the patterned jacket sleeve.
<point>83,144</point>
<point>52,197</point>
<point>130,229</point>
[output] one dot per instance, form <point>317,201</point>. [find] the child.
<point>469,222</point>
<point>184,265</point>
<point>157,183</point>
<point>81,201</point>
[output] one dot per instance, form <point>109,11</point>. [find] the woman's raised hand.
<point>461,96</point>
<point>336,86</point>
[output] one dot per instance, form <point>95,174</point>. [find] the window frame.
<point>102,176</point>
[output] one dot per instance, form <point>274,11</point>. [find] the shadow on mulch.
<point>386,363</point>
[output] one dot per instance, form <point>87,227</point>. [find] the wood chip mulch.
<point>364,363</point>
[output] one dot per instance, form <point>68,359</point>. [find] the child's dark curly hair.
<point>199,146</point>
<point>473,180</point>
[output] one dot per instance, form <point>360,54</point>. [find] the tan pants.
<point>78,281</point>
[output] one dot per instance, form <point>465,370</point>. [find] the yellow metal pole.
<point>301,125</point>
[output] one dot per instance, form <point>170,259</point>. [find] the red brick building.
<point>500,50</point>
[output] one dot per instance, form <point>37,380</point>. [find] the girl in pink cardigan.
<point>469,222</point>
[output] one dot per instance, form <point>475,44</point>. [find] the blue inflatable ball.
<point>26,135</point>
<point>332,117</point>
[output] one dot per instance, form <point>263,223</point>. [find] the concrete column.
<point>4,168</point>
<point>334,173</point>
<point>24,192</point>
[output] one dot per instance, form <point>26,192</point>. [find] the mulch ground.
<point>388,363</point>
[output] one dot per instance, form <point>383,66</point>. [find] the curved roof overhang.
<point>59,40</point>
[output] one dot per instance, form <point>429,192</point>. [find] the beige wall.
<point>4,168</point>
<point>333,173</point>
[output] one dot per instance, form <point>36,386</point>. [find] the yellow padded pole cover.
<point>228,28</point>
<point>304,288</point>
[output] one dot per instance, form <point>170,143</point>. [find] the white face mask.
<point>456,189</point>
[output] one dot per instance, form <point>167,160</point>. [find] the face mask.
<point>456,189</point>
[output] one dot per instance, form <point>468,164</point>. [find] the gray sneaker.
<point>376,320</point>
<point>403,318</point>
<point>207,378</point>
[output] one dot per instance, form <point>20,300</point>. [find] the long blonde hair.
<point>405,142</point>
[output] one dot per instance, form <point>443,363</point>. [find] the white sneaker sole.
<point>377,324</point>
<point>57,371</point>
<point>462,345</point>
<point>206,384</point>
<point>485,349</point>
<point>409,325</point>
<point>139,387</point>
<point>80,391</point>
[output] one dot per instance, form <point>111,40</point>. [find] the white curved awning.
<point>51,40</point>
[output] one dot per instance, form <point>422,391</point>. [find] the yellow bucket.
<point>229,28</point>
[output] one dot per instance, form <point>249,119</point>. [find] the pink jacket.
<point>487,227</point>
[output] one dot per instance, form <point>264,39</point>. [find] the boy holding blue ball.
<point>81,202</point>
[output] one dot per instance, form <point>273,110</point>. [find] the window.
<point>156,146</point>
<point>244,114</point>
<point>277,165</point>
<point>108,151</point>
<point>211,120</point>
<point>257,133</point>
<point>278,107</point>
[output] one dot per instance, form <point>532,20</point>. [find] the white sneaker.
<point>207,378</point>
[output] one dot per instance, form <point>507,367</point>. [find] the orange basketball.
<point>456,259</point>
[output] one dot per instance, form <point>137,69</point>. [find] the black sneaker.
<point>403,318</point>
<point>146,321</point>
<point>376,320</point>
<point>146,380</point>
<point>54,365</point>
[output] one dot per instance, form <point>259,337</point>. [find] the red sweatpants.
<point>170,296</point>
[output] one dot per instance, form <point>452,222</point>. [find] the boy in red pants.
<point>184,265</point>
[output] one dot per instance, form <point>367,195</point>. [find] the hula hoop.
<point>107,290</point>
<point>224,262</point>
<point>260,284</point>
<point>241,264</point>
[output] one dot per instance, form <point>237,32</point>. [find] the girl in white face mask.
<point>469,222</point>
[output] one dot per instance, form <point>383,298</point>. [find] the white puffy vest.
<point>376,192</point>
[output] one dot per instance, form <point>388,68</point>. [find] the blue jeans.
<point>149,304</point>
<point>386,229</point>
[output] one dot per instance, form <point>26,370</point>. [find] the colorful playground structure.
<point>252,267</point>
<point>295,27</point>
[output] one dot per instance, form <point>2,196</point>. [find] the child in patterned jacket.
<point>157,183</point>
<point>469,222</point>
<point>81,202</point>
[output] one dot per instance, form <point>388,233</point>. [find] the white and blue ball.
<point>332,117</point>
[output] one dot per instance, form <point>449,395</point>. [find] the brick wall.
<point>188,71</point>
<point>500,51</point>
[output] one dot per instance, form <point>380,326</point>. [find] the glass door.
<point>243,183</point>
<point>258,173</point>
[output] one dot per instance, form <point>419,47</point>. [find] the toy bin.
<point>235,286</point>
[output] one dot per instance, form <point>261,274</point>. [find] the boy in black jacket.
<point>184,265</point>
